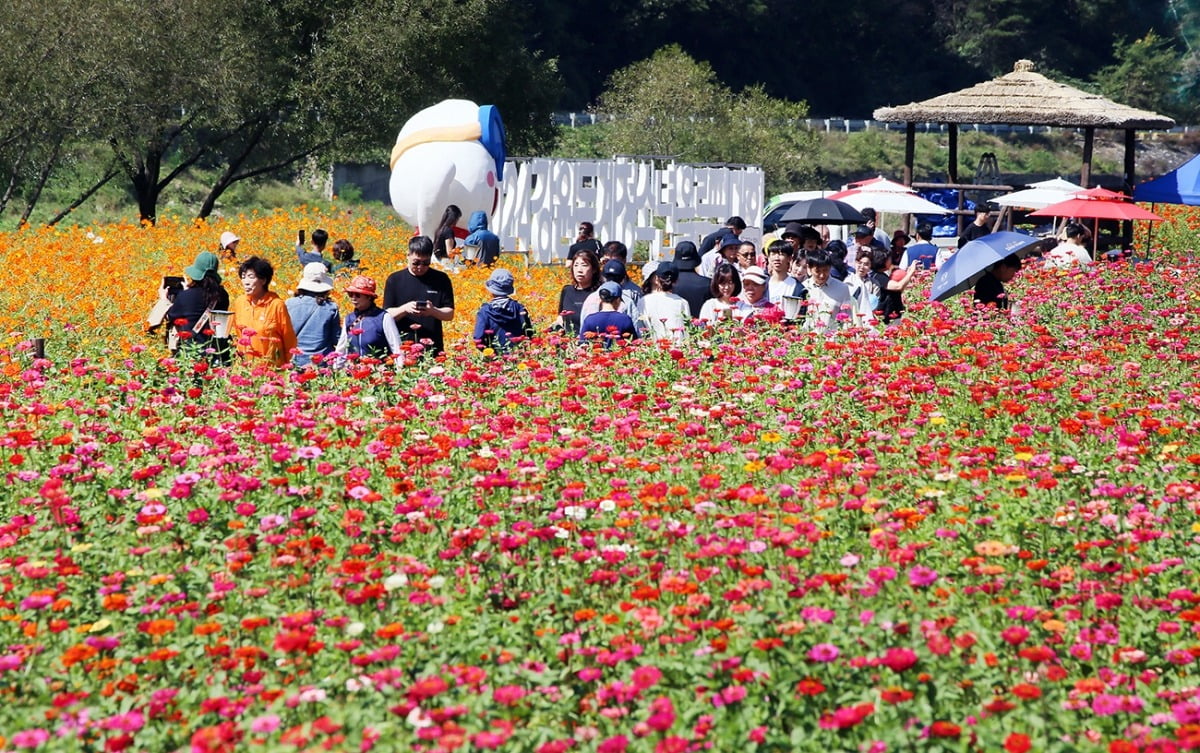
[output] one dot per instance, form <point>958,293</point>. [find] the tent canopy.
<point>1180,186</point>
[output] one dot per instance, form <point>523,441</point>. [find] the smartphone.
<point>171,282</point>
<point>299,237</point>
<point>422,305</point>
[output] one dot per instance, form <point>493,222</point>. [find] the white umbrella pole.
<point>1150,232</point>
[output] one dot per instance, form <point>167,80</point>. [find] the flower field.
<point>966,533</point>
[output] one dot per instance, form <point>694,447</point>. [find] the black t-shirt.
<point>695,289</point>
<point>571,299</point>
<point>891,302</point>
<point>439,243</point>
<point>433,286</point>
<point>189,305</point>
<point>973,232</point>
<point>591,244</point>
<point>989,290</point>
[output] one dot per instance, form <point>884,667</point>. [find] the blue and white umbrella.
<point>962,270</point>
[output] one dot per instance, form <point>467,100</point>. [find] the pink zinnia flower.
<point>39,601</point>
<point>30,738</point>
<point>269,522</point>
<point>921,576</point>
<point>823,652</point>
<point>265,724</point>
<point>646,677</point>
<point>616,744</point>
<point>508,695</point>
<point>899,659</point>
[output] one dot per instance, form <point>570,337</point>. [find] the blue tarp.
<point>1180,186</point>
<point>944,225</point>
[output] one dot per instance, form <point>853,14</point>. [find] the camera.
<point>173,285</point>
<point>422,305</point>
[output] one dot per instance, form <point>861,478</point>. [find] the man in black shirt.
<point>734,225</point>
<point>980,227</point>
<point>420,298</point>
<point>586,239</point>
<point>989,291</point>
<point>693,288</point>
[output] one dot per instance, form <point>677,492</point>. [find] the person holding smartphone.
<point>316,252</point>
<point>192,307</point>
<point>420,298</point>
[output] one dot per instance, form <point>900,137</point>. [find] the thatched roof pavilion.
<point>1025,97</point>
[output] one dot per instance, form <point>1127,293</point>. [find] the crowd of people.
<point>802,278</point>
<point>308,328</point>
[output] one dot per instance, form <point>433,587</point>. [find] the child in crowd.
<point>501,322</point>
<point>609,323</point>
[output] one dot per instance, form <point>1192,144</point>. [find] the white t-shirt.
<point>665,315</point>
<point>777,289</point>
<point>714,310</point>
<point>864,295</point>
<point>830,306</point>
<point>1067,255</point>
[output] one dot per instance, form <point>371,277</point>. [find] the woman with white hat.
<point>229,244</point>
<point>314,316</point>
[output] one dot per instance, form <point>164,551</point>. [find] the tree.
<point>673,106</point>
<point>47,71</point>
<point>1071,38</point>
<point>382,60</point>
<point>253,87</point>
<point>165,90</point>
<point>1144,76</point>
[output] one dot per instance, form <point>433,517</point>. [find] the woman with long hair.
<point>726,302</point>
<point>191,311</point>
<point>443,237</point>
<point>585,278</point>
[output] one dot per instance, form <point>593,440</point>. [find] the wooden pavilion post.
<point>1089,140</point>
<point>952,173</point>
<point>952,168</point>
<point>1129,180</point>
<point>910,153</point>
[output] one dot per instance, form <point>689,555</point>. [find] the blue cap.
<point>610,291</point>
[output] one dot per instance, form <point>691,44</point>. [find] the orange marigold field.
<point>100,282</point>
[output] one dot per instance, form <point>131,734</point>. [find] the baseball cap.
<point>729,239</point>
<point>610,291</point>
<point>614,268</point>
<point>754,273</point>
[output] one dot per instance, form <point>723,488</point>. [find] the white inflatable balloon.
<point>450,153</point>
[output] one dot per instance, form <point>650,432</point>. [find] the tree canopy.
<point>144,93</point>
<point>670,105</point>
<point>250,87</point>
